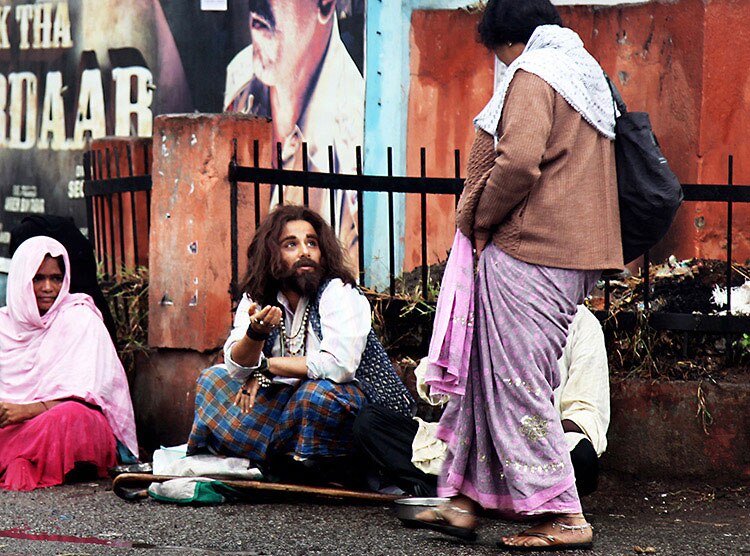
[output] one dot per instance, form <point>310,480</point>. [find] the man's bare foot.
<point>456,517</point>
<point>558,533</point>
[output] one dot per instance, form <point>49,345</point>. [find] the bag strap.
<point>616,97</point>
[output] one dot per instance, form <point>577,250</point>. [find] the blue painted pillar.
<point>388,25</point>
<point>386,92</point>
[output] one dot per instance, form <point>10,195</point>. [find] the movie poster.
<point>303,68</point>
<point>73,70</point>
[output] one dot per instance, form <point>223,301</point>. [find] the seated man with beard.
<point>300,362</point>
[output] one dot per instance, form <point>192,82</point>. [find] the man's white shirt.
<point>345,322</point>
<point>583,394</point>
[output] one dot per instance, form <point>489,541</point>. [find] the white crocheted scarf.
<point>557,55</point>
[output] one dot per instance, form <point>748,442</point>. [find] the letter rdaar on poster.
<point>38,120</point>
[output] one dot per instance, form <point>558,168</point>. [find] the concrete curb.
<point>657,430</point>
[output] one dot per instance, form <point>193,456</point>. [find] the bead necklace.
<point>286,341</point>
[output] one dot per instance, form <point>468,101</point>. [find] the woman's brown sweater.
<point>547,192</point>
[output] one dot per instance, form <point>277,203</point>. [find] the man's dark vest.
<point>376,375</point>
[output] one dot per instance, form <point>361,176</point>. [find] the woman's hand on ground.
<point>245,398</point>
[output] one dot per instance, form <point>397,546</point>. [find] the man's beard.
<point>305,283</point>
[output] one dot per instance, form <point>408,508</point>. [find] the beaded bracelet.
<point>262,379</point>
<point>264,370</point>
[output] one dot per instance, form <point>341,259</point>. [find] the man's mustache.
<point>263,9</point>
<point>304,261</point>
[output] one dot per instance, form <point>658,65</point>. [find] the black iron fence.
<point>105,192</point>
<point>688,323</point>
<point>117,190</point>
<point>388,184</point>
<point>118,206</point>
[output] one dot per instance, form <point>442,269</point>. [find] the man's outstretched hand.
<point>264,320</point>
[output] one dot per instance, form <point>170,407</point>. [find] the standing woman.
<point>64,397</point>
<point>540,204</point>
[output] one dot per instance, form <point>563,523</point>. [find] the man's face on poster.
<point>281,32</point>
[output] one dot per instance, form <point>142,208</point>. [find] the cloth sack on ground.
<point>189,490</point>
<point>164,456</point>
<point>215,467</point>
<point>200,475</point>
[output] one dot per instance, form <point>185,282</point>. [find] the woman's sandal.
<point>553,543</point>
<point>442,525</point>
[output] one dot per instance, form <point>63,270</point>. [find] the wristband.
<point>264,371</point>
<point>255,335</point>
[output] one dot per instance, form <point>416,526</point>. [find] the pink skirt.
<point>41,451</point>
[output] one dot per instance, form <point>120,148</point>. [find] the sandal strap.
<point>439,512</point>
<point>549,538</point>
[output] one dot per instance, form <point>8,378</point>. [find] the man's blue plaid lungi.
<point>314,419</point>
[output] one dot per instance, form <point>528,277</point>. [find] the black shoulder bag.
<point>649,191</point>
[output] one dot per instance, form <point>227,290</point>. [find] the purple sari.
<point>507,448</point>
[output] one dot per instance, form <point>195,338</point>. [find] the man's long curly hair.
<point>265,266</point>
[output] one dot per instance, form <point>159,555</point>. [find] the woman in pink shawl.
<point>64,397</point>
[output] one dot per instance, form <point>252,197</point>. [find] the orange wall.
<point>451,80</point>
<point>672,60</point>
<point>676,65</point>
<point>726,120</point>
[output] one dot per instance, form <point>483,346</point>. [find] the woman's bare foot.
<point>559,532</point>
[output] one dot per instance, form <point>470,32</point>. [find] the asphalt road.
<point>630,517</point>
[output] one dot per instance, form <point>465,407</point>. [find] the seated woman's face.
<point>47,283</point>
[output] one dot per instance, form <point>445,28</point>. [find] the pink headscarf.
<point>67,353</point>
